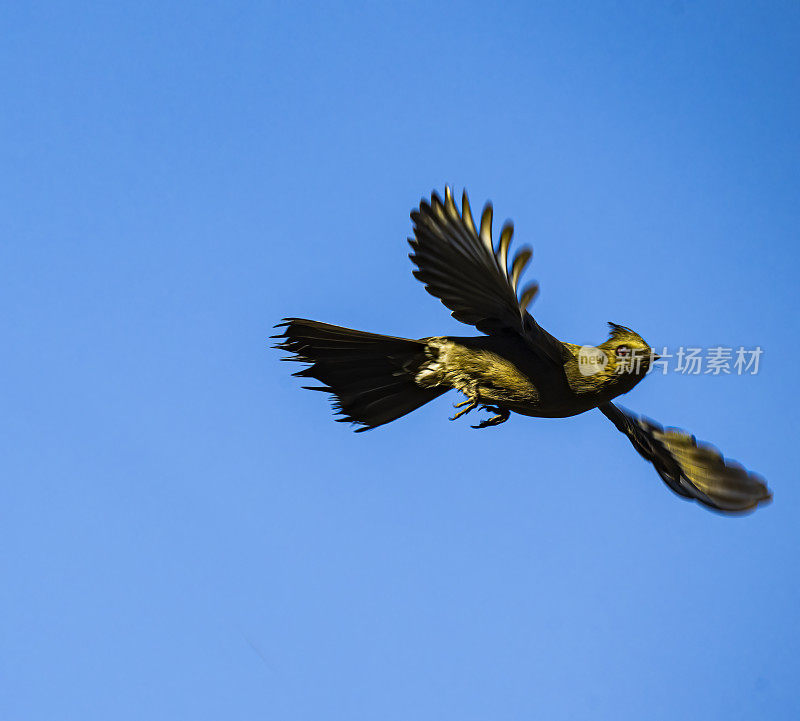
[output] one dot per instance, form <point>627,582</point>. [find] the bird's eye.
<point>623,350</point>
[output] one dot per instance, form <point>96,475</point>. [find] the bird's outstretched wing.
<point>460,265</point>
<point>692,470</point>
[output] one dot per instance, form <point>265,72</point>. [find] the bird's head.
<point>627,352</point>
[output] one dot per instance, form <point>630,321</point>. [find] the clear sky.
<point>186,534</point>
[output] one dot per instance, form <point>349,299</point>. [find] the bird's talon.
<point>470,404</point>
<point>500,417</point>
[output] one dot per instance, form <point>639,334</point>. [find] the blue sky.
<point>187,534</point>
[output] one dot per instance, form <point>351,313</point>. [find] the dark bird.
<point>516,366</point>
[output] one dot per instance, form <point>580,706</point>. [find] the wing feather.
<point>691,469</point>
<point>460,265</point>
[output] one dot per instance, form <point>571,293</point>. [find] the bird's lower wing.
<point>692,470</point>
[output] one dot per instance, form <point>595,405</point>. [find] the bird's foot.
<point>501,416</point>
<point>470,403</point>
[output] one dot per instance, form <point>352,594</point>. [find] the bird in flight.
<point>517,366</point>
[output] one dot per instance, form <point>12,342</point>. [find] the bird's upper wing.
<point>692,470</point>
<point>460,266</point>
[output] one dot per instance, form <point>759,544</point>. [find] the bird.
<point>515,366</point>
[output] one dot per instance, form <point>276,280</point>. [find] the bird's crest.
<point>619,331</point>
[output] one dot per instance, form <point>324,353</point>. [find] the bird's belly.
<point>553,410</point>
<point>494,377</point>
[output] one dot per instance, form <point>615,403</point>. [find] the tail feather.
<point>371,376</point>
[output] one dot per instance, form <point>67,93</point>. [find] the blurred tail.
<point>370,375</point>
